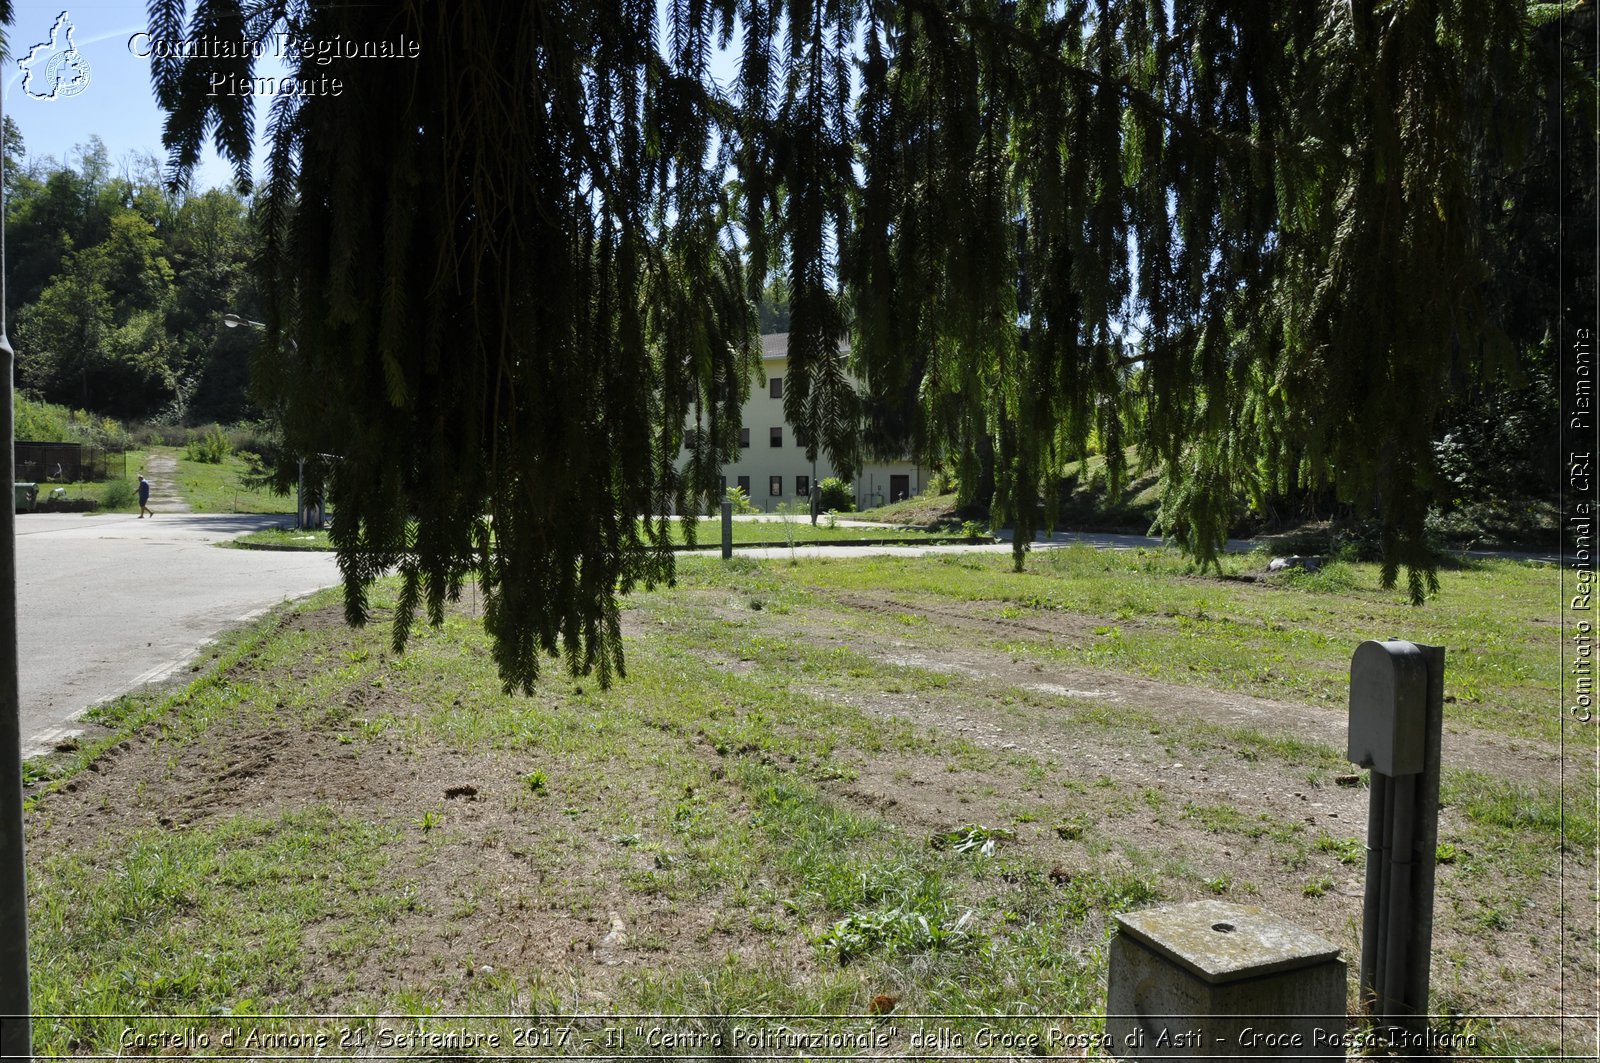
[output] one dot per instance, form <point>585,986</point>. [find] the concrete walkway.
<point>162,472</point>
<point>1098,540</point>
<point>1104,540</point>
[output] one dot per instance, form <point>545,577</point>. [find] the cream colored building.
<point>772,466</point>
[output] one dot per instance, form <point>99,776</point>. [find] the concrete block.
<point>1211,979</point>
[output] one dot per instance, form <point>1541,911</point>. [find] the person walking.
<point>144,498</point>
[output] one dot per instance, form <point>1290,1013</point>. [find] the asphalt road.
<point>109,603</point>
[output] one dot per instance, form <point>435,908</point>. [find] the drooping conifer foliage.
<point>500,278</point>
<point>1275,200</point>
<point>506,274</point>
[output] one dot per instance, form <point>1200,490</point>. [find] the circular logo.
<point>66,74</point>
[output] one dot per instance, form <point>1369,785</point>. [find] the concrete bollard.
<point>1210,979</point>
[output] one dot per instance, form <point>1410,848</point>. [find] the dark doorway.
<point>899,488</point>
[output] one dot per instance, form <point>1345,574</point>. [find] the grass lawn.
<point>867,789</point>
<point>931,511</point>
<point>220,488</point>
<point>287,537</point>
<point>205,488</point>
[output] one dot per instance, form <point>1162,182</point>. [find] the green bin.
<point>27,497</point>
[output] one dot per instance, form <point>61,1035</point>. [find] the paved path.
<point>108,603</point>
<point>162,472</point>
<point>1098,540</point>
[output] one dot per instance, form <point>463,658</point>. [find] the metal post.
<point>727,529</point>
<point>815,494</point>
<point>1384,991</point>
<point>16,1033</point>
<point>300,499</point>
<point>1425,843</point>
<point>1396,938</point>
<point>1372,906</point>
<point>1397,724</point>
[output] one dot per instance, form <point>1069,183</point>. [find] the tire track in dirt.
<point>1515,758</point>
<point>1103,773</point>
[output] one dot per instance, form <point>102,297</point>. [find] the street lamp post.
<point>234,321</point>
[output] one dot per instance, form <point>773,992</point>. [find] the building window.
<point>802,486</point>
<point>744,485</point>
<point>691,439</point>
<point>775,486</point>
<point>775,387</point>
<point>744,437</point>
<point>777,436</point>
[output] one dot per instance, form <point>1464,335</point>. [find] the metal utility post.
<point>816,496</point>
<point>1396,726</point>
<point>16,1034</point>
<point>727,529</point>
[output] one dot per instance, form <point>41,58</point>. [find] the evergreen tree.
<point>512,271</point>
<point>508,273</point>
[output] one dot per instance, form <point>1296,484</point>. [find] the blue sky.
<point>117,103</point>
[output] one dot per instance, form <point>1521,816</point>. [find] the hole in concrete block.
<point>1222,928</point>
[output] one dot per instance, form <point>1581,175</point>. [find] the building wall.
<point>761,461</point>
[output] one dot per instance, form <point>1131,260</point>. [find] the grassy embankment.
<point>219,487</point>
<point>825,788</point>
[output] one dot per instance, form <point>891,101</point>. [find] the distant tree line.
<point>118,285</point>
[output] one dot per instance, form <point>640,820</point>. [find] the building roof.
<point>776,345</point>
